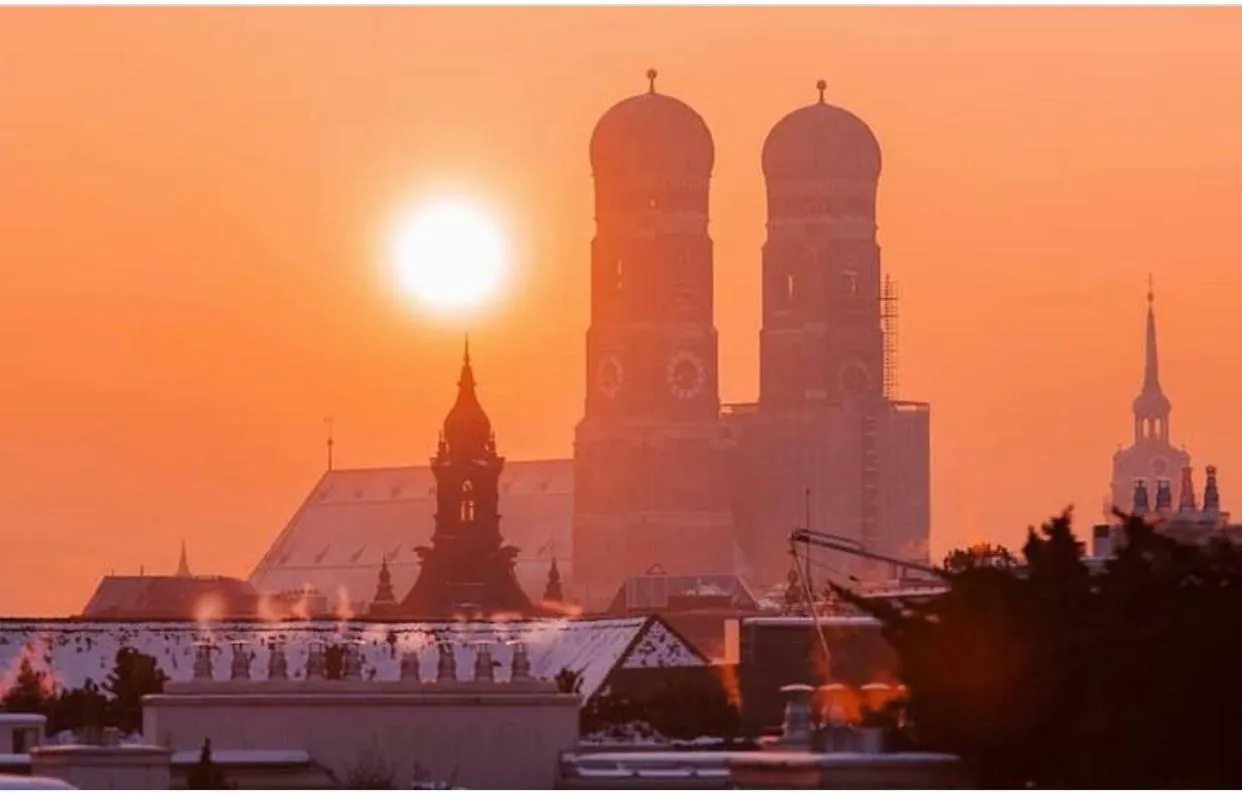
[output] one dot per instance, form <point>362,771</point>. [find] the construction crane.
<point>835,542</point>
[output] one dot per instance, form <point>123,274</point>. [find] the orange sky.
<point>193,205</point>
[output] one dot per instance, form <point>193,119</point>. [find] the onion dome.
<point>654,134</point>
<point>467,429</point>
<point>821,141</point>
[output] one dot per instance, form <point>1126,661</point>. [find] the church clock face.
<point>686,375</point>
<point>854,378</point>
<point>1160,467</point>
<point>609,376</point>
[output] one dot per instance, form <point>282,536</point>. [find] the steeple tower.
<point>183,564</point>
<point>467,569</point>
<point>1151,406</point>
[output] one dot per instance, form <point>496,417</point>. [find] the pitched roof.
<point>353,519</point>
<point>593,647</point>
<point>164,596</point>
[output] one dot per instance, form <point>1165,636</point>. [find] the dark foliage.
<point>32,690</point>
<point>133,676</point>
<point>80,708</point>
<point>206,775</point>
<point>1053,677</point>
<point>983,554</point>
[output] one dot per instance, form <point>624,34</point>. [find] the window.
<point>849,285</point>
<point>620,274</point>
<point>467,502</point>
<point>789,289</point>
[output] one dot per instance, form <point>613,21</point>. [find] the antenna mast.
<point>331,441</point>
<point>888,327</point>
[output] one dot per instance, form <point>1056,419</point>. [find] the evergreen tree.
<point>32,690</point>
<point>133,676</point>
<point>1050,676</point>
<point>79,708</point>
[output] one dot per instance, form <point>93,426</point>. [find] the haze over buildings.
<point>1028,190</point>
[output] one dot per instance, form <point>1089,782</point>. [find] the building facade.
<point>648,468</point>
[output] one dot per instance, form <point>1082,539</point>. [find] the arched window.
<point>789,289</point>
<point>467,502</point>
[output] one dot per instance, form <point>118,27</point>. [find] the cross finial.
<point>822,85</point>
<point>652,74</point>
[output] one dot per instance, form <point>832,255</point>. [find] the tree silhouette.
<point>982,554</point>
<point>133,676</point>
<point>1050,676</point>
<point>32,690</point>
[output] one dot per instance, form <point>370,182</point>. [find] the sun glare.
<point>450,256</point>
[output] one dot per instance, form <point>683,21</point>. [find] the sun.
<point>450,255</point>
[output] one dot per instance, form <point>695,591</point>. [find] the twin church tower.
<point>667,478</point>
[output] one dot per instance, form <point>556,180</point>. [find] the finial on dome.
<point>466,357</point>
<point>822,85</point>
<point>1151,289</point>
<point>652,74</point>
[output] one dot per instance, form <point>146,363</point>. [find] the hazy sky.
<point>194,202</point>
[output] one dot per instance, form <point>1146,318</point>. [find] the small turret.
<point>553,592</point>
<point>446,667</point>
<point>277,664</point>
<point>241,662</point>
<point>1164,495</point>
<point>411,666</point>
<point>1141,503</point>
<point>484,669</point>
<point>1186,499</point>
<point>202,661</point>
<point>1211,493</point>
<point>520,671</point>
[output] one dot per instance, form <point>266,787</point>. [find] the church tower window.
<point>789,289</point>
<point>849,285</point>
<point>467,502</point>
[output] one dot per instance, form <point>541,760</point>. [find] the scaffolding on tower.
<point>888,328</point>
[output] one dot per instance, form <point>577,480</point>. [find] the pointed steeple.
<point>1151,406</point>
<point>553,593</point>
<point>384,595</point>
<point>1186,494</point>
<point>467,429</point>
<point>1211,493</point>
<point>183,566</point>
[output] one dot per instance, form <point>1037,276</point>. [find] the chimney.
<point>1164,495</point>
<point>316,663</point>
<point>1186,499</point>
<point>351,661</point>
<point>484,670</point>
<point>241,662</point>
<point>446,667</point>
<point>796,729</point>
<point>1141,503</point>
<point>411,667</point>
<point>277,665</point>
<point>1102,541</point>
<point>202,661</point>
<point>520,671</point>
<point>1211,493</point>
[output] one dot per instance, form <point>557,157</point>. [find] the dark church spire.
<point>467,429</point>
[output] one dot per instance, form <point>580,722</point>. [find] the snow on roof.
<point>244,756</point>
<point>593,647</point>
<point>353,519</point>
